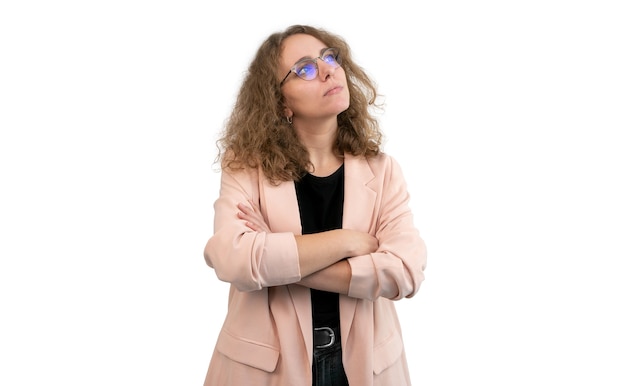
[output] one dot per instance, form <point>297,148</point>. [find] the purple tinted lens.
<point>306,70</point>
<point>331,57</point>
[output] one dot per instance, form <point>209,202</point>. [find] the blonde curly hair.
<point>257,133</point>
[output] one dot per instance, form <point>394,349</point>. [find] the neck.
<point>319,140</point>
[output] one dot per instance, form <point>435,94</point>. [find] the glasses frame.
<point>314,60</point>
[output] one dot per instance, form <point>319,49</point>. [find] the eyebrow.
<point>310,57</point>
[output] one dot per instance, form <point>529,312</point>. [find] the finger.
<point>244,208</point>
<point>246,218</point>
<point>252,226</point>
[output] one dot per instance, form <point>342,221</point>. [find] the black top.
<point>320,200</point>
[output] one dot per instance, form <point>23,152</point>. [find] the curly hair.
<point>257,134</point>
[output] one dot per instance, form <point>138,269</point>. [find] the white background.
<point>507,116</point>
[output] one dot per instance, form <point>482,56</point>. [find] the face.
<point>321,98</point>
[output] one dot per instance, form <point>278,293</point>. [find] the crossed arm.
<point>321,255</point>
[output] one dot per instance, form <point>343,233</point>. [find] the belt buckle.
<point>332,336</point>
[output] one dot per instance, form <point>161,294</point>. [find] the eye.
<point>306,70</point>
<point>331,57</point>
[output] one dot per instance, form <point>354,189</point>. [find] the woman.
<point>312,225</point>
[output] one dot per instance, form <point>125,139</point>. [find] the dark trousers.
<point>327,364</point>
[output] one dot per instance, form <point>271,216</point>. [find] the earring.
<point>290,120</point>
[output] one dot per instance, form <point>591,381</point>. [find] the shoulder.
<point>246,179</point>
<point>249,179</point>
<point>381,162</point>
<point>380,172</point>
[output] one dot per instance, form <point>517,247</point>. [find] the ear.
<point>287,112</point>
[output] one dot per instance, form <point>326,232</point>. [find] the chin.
<point>344,107</point>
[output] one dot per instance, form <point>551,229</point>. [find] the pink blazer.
<point>266,338</point>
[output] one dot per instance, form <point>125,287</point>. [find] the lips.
<point>333,90</point>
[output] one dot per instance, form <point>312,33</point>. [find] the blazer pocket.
<point>388,352</point>
<point>255,354</point>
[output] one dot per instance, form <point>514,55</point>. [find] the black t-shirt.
<point>320,200</point>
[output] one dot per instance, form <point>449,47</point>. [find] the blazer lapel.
<point>359,198</point>
<point>279,205</point>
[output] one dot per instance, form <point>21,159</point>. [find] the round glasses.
<point>307,68</point>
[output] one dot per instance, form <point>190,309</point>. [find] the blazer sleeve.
<point>247,259</point>
<point>396,269</point>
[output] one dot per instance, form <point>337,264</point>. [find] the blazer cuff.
<point>361,282</point>
<point>282,265</point>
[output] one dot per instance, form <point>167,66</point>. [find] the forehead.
<point>300,46</point>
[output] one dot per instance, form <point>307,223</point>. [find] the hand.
<point>360,243</point>
<point>251,213</point>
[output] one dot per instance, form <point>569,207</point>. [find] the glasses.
<point>307,68</point>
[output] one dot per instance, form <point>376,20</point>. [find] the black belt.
<point>324,337</point>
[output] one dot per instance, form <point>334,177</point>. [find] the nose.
<point>325,70</point>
